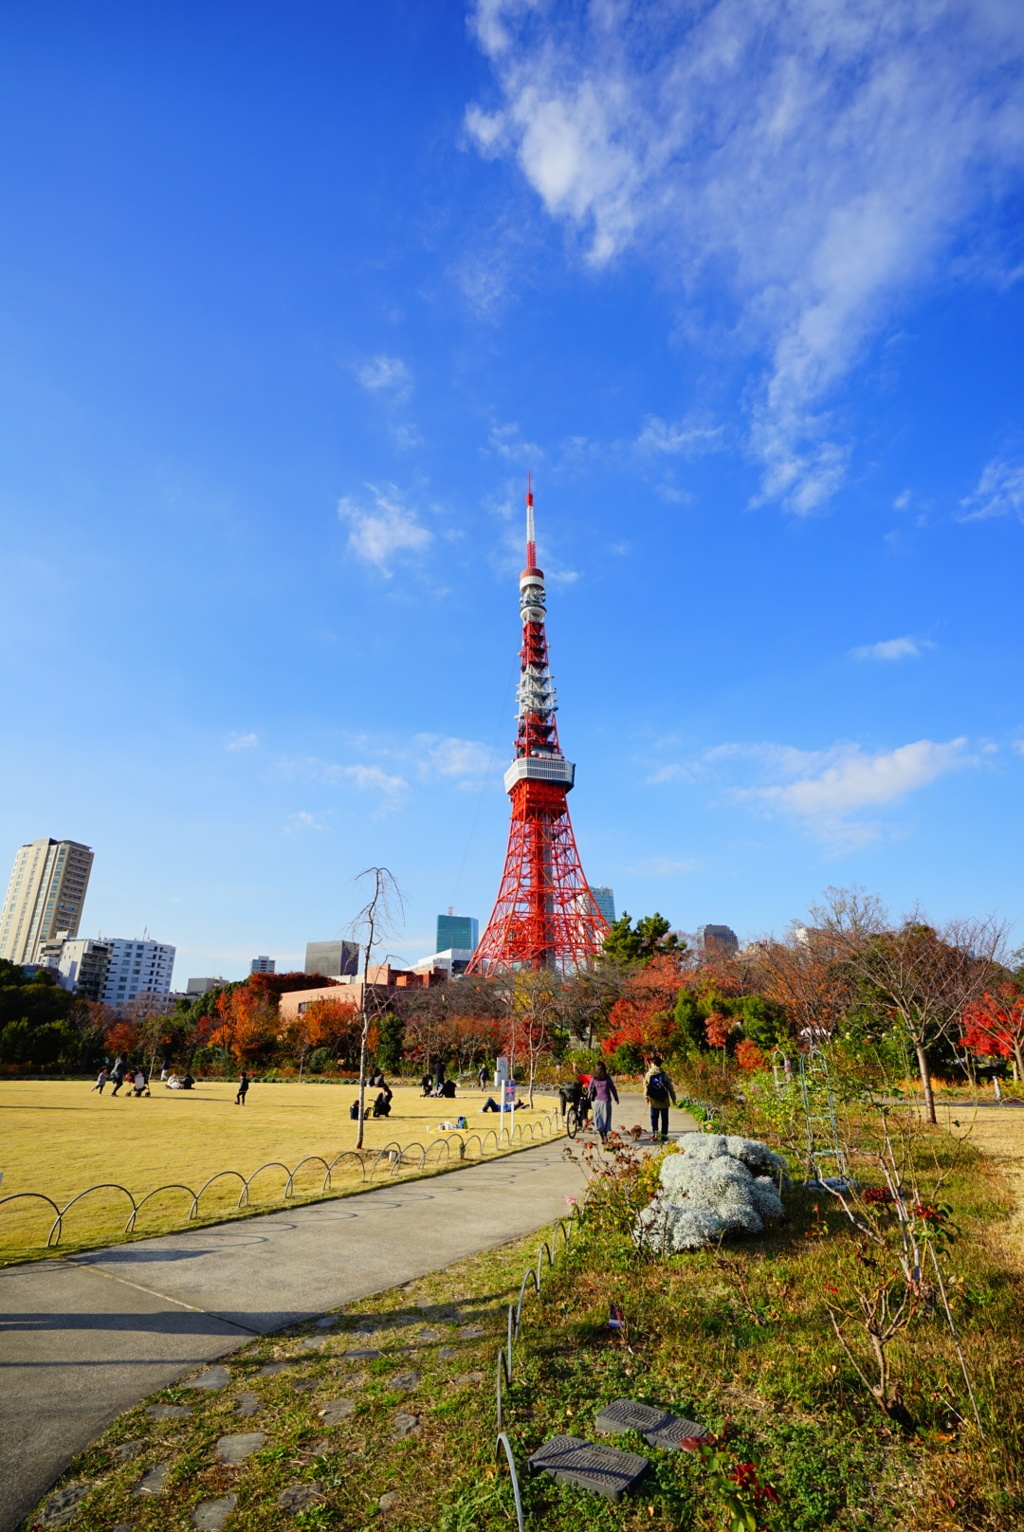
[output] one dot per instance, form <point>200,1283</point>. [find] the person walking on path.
<point>118,1073</point>
<point>243,1089</point>
<point>602,1093</point>
<point>483,1076</point>
<point>101,1080</point>
<point>660,1093</point>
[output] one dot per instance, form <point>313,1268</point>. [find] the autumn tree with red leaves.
<point>994,1025</point>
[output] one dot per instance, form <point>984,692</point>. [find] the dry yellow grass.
<point>60,1138</point>
<point>999,1133</point>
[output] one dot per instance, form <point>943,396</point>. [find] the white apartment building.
<point>114,970</point>
<point>45,895</point>
<point>136,968</point>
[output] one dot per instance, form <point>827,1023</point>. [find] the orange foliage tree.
<point>994,1025</point>
<point>643,1018</point>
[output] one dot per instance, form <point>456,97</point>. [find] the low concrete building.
<point>383,980</point>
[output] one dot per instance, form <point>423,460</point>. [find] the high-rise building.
<point>721,939</point>
<point>45,895</point>
<point>116,970</point>
<point>457,931</point>
<point>262,964</point>
<point>604,898</point>
<point>335,960</point>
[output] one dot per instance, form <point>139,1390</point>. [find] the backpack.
<point>657,1085</point>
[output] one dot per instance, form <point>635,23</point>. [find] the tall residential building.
<point>262,964</point>
<point>604,898</point>
<point>83,965</point>
<point>335,960</point>
<point>45,895</point>
<point>457,931</point>
<point>722,939</point>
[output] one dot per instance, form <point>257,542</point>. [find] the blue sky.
<point>293,294</point>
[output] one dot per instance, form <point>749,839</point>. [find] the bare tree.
<point>375,921</point>
<point>924,977</point>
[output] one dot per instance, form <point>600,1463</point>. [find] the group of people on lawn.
<point>591,1093</point>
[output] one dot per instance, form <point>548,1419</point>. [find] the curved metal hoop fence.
<point>395,1157</point>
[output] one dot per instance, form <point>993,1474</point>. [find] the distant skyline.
<point>291,298</point>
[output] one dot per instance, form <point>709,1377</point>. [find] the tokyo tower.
<point>545,915</point>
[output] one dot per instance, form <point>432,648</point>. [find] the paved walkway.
<point>84,1338</point>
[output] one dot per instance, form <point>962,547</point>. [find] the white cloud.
<point>828,791</point>
<point>890,649</point>
<point>1000,492</point>
<point>241,742</point>
<point>304,821</point>
<point>406,437</point>
<point>373,778</point>
<point>463,760</point>
<point>507,442</point>
<point>686,437</point>
<point>388,528</point>
<point>813,160</point>
<point>385,374</point>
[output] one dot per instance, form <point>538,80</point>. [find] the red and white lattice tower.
<point>545,915</point>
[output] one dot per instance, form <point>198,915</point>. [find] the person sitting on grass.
<point>382,1105</point>
<point>187,1081</point>
<point>172,1083</point>
<point>490,1105</point>
<point>243,1089</point>
<point>427,1085</point>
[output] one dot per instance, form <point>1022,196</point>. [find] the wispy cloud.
<point>686,437</point>
<point>827,791</point>
<point>890,649</point>
<point>386,528</point>
<point>303,820</point>
<point>241,742</point>
<point>507,442</point>
<point>463,761</point>
<point>811,160</point>
<point>387,375</point>
<point>1000,491</point>
<point>373,779</point>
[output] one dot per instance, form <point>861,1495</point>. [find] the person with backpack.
<point>660,1093</point>
<point>118,1073</point>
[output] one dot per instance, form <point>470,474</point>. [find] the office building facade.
<point>604,898</point>
<point>335,960</point>
<point>202,986</point>
<point>45,895</point>
<point>262,964</point>
<point>457,931</point>
<point>721,939</point>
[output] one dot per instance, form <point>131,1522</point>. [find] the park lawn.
<point>744,1348</point>
<point>60,1138</point>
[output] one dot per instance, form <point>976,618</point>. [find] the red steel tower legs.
<point>545,915</point>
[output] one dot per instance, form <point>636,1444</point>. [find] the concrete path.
<point>84,1338</point>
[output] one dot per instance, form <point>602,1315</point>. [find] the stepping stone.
<point>154,1482</point>
<point>404,1424</point>
<point>313,1342</point>
<point>470,1332</point>
<point>404,1382</point>
<point>466,1378</point>
<point>212,1514</point>
<point>603,1470</point>
<point>167,1412</point>
<point>427,1335</point>
<point>247,1404</point>
<point>362,1354</point>
<point>235,1449</point>
<point>213,1377</point>
<point>337,1410</point>
<point>659,1428</point>
<point>306,1386</point>
<point>446,1353</point>
<point>387,1501</point>
<point>129,1449</point>
<point>272,1369</point>
<point>124,1526</point>
<point>61,1506</point>
<point>327,1321</point>
<point>298,1496</point>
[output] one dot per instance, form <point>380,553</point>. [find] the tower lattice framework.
<point>545,915</point>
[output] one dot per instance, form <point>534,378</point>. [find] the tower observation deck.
<point>545,915</point>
